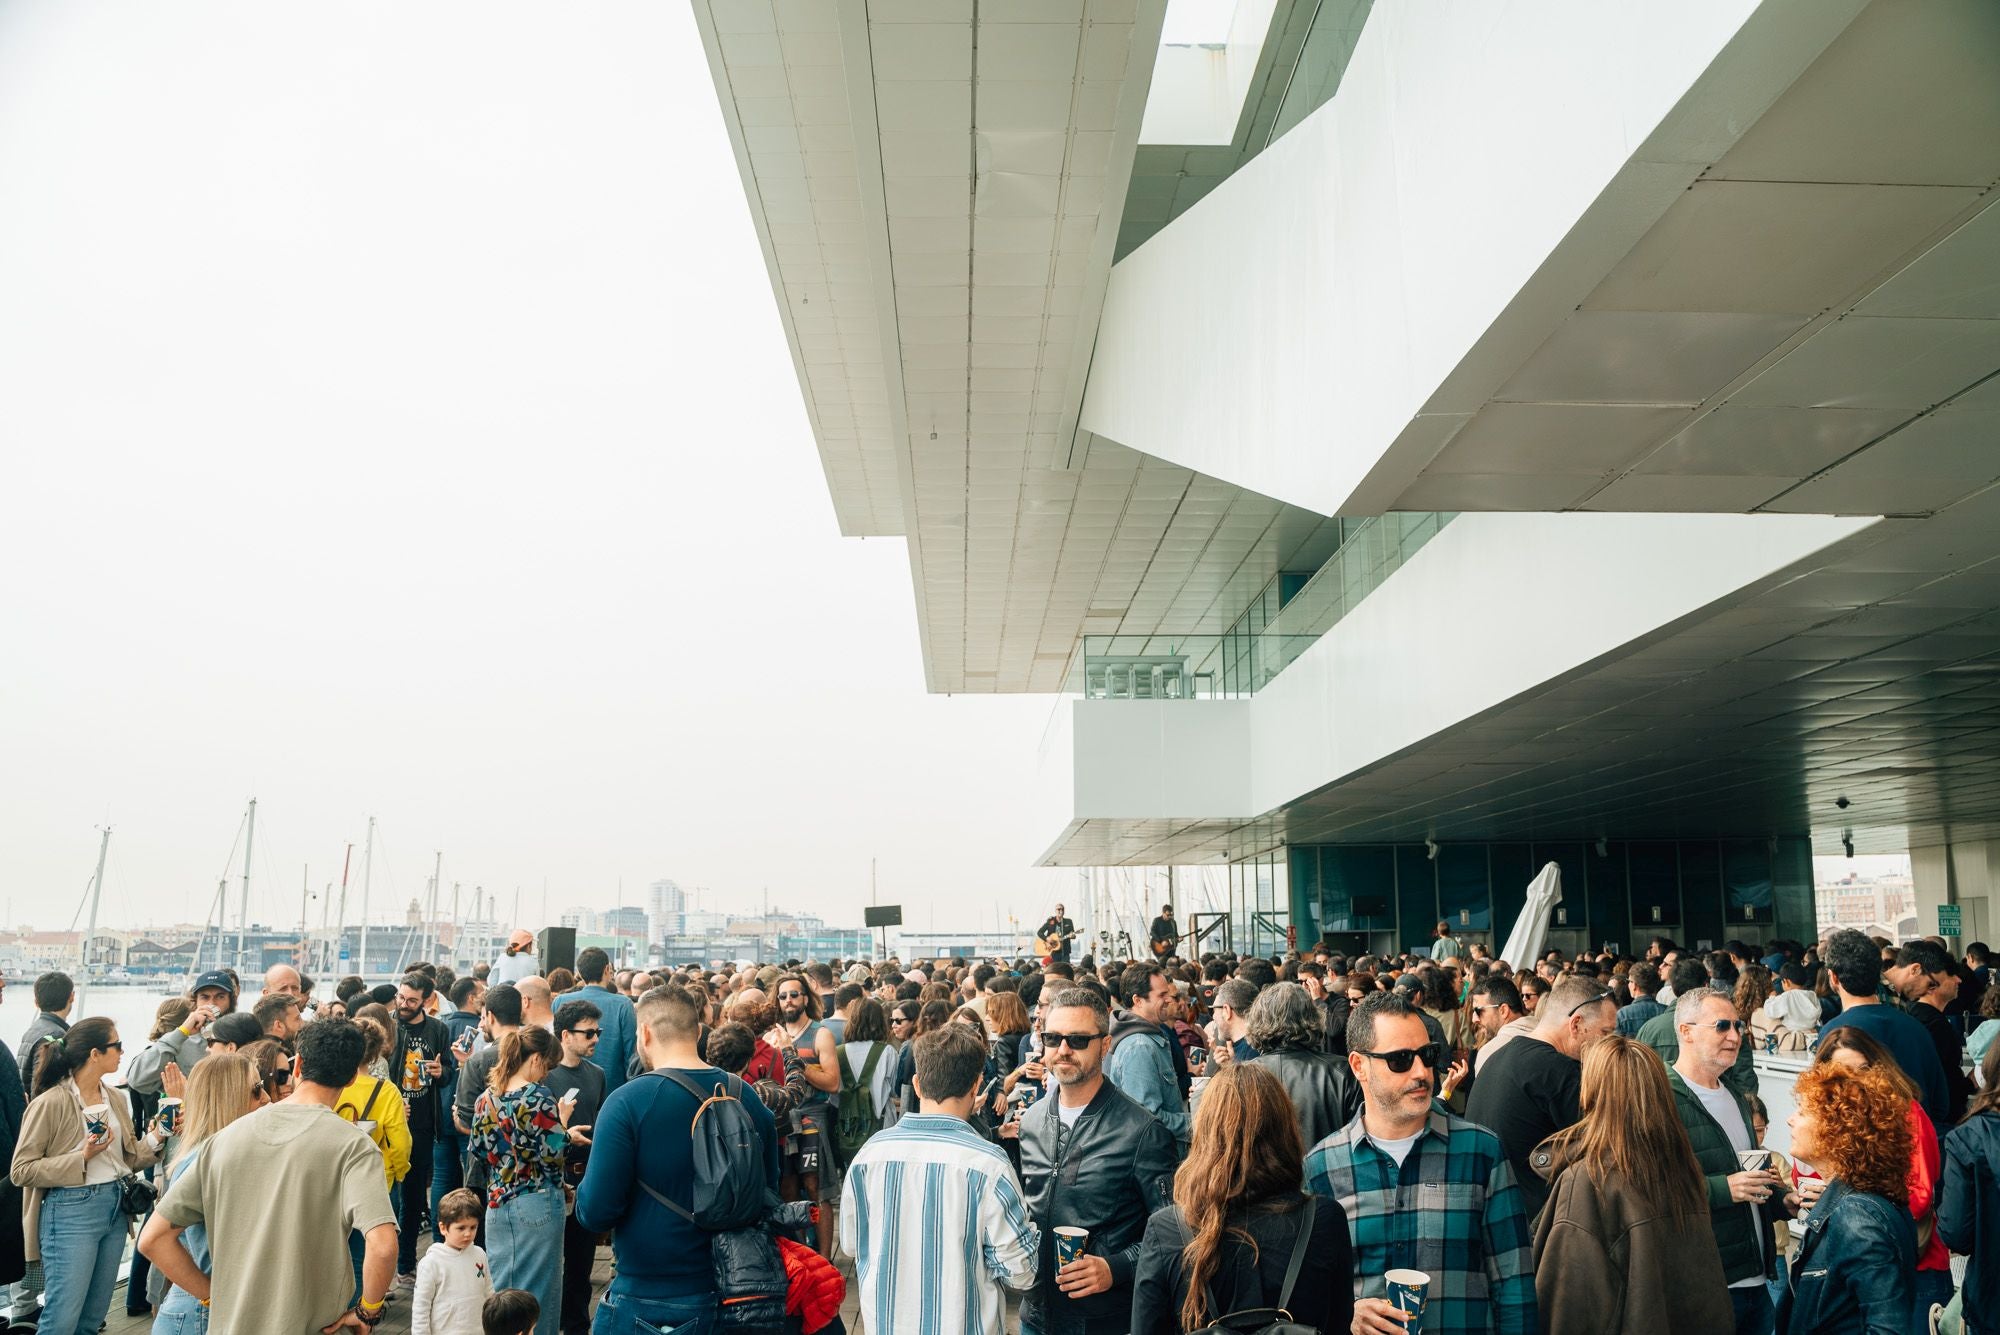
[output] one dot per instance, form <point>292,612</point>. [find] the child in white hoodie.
<point>1789,1020</point>
<point>453,1280</point>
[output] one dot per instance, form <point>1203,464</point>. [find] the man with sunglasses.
<point>800,1031</point>
<point>1742,1203</point>
<point>1529,1092</point>
<point>1662,1032</point>
<point>579,1028</point>
<point>1091,1158</point>
<point>1423,1189</point>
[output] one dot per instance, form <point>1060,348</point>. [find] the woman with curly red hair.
<point>1850,1047</point>
<point>1854,1271</point>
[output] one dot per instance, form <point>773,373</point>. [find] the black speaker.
<point>557,949</point>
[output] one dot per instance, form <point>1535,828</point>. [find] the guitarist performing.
<point>1052,938</point>
<point>1164,933</point>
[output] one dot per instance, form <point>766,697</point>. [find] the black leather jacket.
<point>1116,1170</point>
<point>1854,1271</point>
<point>1323,1090</point>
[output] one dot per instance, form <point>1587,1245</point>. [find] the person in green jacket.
<point>1662,1033</point>
<point>1743,1202</point>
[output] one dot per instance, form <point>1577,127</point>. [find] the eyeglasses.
<point>1478,1011</point>
<point>586,1033</point>
<point>899,1019</point>
<point>1074,1042</point>
<point>1724,1026</point>
<point>1431,1054</point>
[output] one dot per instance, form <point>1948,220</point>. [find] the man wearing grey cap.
<point>214,995</point>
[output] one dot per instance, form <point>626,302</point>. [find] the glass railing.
<point>1243,661</point>
<point>1182,667</point>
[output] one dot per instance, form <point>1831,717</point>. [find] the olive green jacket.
<point>1737,1234</point>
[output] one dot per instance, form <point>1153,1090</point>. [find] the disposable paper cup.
<point>1407,1293</point>
<point>1070,1243</point>
<point>170,1114</point>
<point>1754,1161</point>
<point>96,1119</point>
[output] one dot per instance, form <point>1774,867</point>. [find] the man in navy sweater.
<point>645,1134</point>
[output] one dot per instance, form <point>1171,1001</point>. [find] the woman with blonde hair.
<point>1625,1243</point>
<point>1240,1225</point>
<point>1852,1273</point>
<point>222,1087</point>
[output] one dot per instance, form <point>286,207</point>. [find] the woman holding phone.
<point>76,1142</point>
<point>520,1131</point>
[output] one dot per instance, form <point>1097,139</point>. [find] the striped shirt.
<point>1452,1210</point>
<point>932,1186</point>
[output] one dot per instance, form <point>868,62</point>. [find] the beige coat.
<point>49,1151</point>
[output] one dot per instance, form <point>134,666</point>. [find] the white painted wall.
<point>1540,595</point>
<point>1288,329</point>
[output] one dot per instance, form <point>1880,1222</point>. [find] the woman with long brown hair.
<point>1852,1273</point>
<point>1625,1243</point>
<point>1225,1244</point>
<point>520,1133</point>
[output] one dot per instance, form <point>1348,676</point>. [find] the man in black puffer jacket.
<point>1093,1159</point>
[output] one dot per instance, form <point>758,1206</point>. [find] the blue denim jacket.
<point>1854,1272</point>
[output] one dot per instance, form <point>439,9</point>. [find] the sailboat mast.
<point>340,918</point>
<point>431,909</point>
<point>243,905</point>
<point>96,894</point>
<point>367,879</point>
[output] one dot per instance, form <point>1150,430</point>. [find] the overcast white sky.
<point>397,420</point>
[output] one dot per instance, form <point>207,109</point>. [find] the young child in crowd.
<point>512,1312</point>
<point>453,1282</point>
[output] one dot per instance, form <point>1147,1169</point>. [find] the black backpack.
<point>728,1158</point>
<point>1266,1320</point>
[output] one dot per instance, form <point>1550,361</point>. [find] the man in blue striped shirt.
<point>932,1212</point>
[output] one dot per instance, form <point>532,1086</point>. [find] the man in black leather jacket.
<point>1091,1158</point>
<point>1285,1030</point>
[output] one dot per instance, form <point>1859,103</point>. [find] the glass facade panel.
<point>1416,894</point>
<point>1513,866</point>
<point>1701,892</point>
<point>1357,888</point>
<point>1465,898</point>
<point>1749,894</point>
<point>1655,872</point>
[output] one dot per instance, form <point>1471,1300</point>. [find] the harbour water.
<point>130,1005</point>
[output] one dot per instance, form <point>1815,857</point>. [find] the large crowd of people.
<point>1376,1144</point>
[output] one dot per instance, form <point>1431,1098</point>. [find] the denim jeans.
<point>1932,1286</point>
<point>412,1196</point>
<point>82,1237</point>
<point>1754,1313</point>
<point>447,1166</point>
<point>188,1319</point>
<point>625,1314</point>
<point>524,1240</point>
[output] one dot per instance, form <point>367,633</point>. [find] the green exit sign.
<point>1949,921</point>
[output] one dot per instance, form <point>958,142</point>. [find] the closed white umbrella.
<point>1524,943</point>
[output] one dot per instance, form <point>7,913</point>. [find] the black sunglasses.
<point>586,1033</point>
<point>1431,1054</point>
<point>1074,1042</point>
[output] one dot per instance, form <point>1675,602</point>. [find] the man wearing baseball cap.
<point>214,994</point>
<point>519,962</point>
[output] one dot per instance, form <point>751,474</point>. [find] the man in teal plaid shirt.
<point>1424,1190</point>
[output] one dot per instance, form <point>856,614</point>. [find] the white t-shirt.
<point>1067,1113</point>
<point>1721,1105</point>
<point>1398,1150</point>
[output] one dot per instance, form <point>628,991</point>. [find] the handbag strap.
<point>730,1083</point>
<point>1298,1252</point>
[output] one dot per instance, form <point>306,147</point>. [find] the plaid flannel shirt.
<point>1453,1211</point>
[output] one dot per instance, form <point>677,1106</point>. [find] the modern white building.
<point>1424,440</point>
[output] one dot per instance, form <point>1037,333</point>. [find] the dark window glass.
<point>1749,894</point>
<point>1465,899</point>
<point>1701,892</point>
<point>1416,895</point>
<point>1654,873</point>
<point>1511,867</point>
